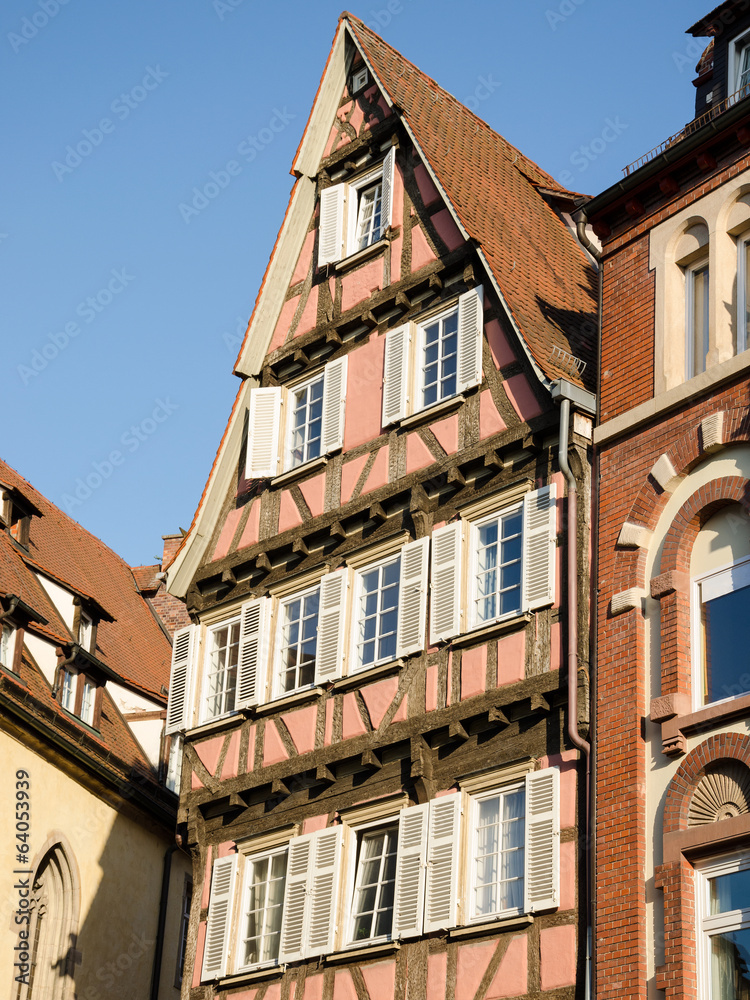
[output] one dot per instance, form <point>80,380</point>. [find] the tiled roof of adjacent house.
<point>541,270</point>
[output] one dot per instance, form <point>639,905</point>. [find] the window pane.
<point>374,884</point>
<point>307,410</point>
<point>498,579</point>
<point>378,613</point>
<point>698,313</point>
<point>743,333</point>
<point>729,892</point>
<point>221,683</point>
<point>730,964</point>
<point>369,216</point>
<point>726,640</point>
<point>265,896</point>
<point>440,359</point>
<point>299,631</point>
<point>499,857</point>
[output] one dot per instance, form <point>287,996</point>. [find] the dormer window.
<point>7,646</point>
<point>17,512</point>
<point>85,632</point>
<point>79,694</point>
<point>68,690</point>
<point>739,65</point>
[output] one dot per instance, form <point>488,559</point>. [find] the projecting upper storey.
<point>412,227</point>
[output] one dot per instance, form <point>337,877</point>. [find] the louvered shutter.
<point>329,654</point>
<point>412,597</point>
<point>334,402</point>
<point>441,891</point>
<point>396,374</point>
<point>179,704</point>
<point>470,327</point>
<point>542,876</point>
<point>324,884</point>
<point>411,862</point>
<point>253,654</point>
<point>389,168</point>
<point>218,933</point>
<point>539,536</point>
<point>296,890</point>
<point>264,430</point>
<point>445,582</point>
<point>331,235</point>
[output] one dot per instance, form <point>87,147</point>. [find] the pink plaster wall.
<point>283,323</point>
<point>418,455</point>
<point>568,875</point>
<point>446,431</point>
<point>314,987</point>
<point>502,352</point>
<point>273,748</point>
<point>472,963</point>
<point>490,421</point>
<point>522,399</point>
<point>378,698</point>
<point>226,849</point>
<point>232,759</point>
<point>328,735</point>
<point>309,316</point>
<point>378,475</point>
<point>289,516</point>
<point>424,182</point>
<point>343,986</point>
<point>360,284</point>
<point>431,688</point>
<point>364,393</point>
<point>301,726</point>
<point>314,823</point>
<point>304,259</point>
<point>352,720</point>
<point>380,979</point>
<point>447,229</point>
<point>273,992</point>
<point>402,712</point>
<point>555,643</point>
<point>251,532</point>
<point>436,975</point>
<point>313,490</point>
<point>511,652</point>
<point>249,995</point>
<point>227,533</point>
<point>567,762</point>
<point>557,946</point>
<point>209,752</point>
<point>195,781</point>
<point>350,474</point>
<point>421,251</point>
<point>473,671</point>
<point>199,945</point>
<point>511,977</point>
<point>355,121</point>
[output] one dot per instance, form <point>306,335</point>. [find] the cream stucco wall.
<point>118,865</point>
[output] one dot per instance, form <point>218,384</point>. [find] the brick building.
<point>673,446</point>
<point>384,691</point>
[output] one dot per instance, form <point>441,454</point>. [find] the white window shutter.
<point>389,169</point>
<point>331,234</point>
<point>329,654</point>
<point>542,876</point>
<point>441,894</point>
<point>324,884</point>
<point>411,862</point>
<point>412,597</point>
<point>296,891</point>
<point>263,433</point>
<point>396,374</point>
<point>179,704</point>
<point>539,536</point>
<point>253,654</point>
<point>218,932</point>
<point>445,589</point>
<point>470,328</point>
<point>334,403</point>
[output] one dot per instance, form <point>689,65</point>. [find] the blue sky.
<point>122,311</point>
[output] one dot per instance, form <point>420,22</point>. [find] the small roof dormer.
<point>16,512</point>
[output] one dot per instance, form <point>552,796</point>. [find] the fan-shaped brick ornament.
<point>721,794</point>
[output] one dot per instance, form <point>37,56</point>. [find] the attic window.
<point>17,512</point>
<point>80,695</point>
<point>360,79</point>
<point>85,632</point>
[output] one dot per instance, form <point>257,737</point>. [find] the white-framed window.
<point>497,861</point>
<point>85,631</point>
<point>721,627</point>
<point>356,214</point>
<point>297,641</point>
<point>376,613</point>
<point>738,52</point>
<point>262,909</point>
<point>508,547</point>
<point>434,358</point>
<point>696,318</point>
<point>68,690</point>
<point>174,764</point>
<point>360,79</point>
<point>742,332</point>
<point>376,851</point>
<point>88,701</point>
<point>220,669</point>
<point>289,426</point>
<point>8,646</point>
<point>723,912</point>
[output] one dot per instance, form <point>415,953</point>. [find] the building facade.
<point>383,693</point>
<point>94,886</point>
<point>673,708</point>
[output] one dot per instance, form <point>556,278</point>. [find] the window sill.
<point>368,951</point>
<point>361,255</point>
<point>675,727</point>
<point>214,725</point>
<point>503,924</point>
<point>252,975</point>
<point>489,631</point>
<point>364,676</point>
<point>300,471</point>
<point>287,701</point>
<point>434,411</point>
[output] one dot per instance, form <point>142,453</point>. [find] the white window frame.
<point>247,861</point>
<point>420,360</point>
<point>474,622</point>
<point>708,925</point>
<point>174,764</point>
<point>355,665</point>
<point>228,623</point>
<point>69,689</point>
<point>355,190</point>
<point>291,393</point>
<point>471,883</point>
<point>743,292</point>
<point>85,631</point>
<point>736,49</point>
<point>360,79</point>
<point>88,704</point>
<point>741,568</point>
<point>691,272</point>
<point>277,668</point>
<point>8,646</point>
<point>353,845</point>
